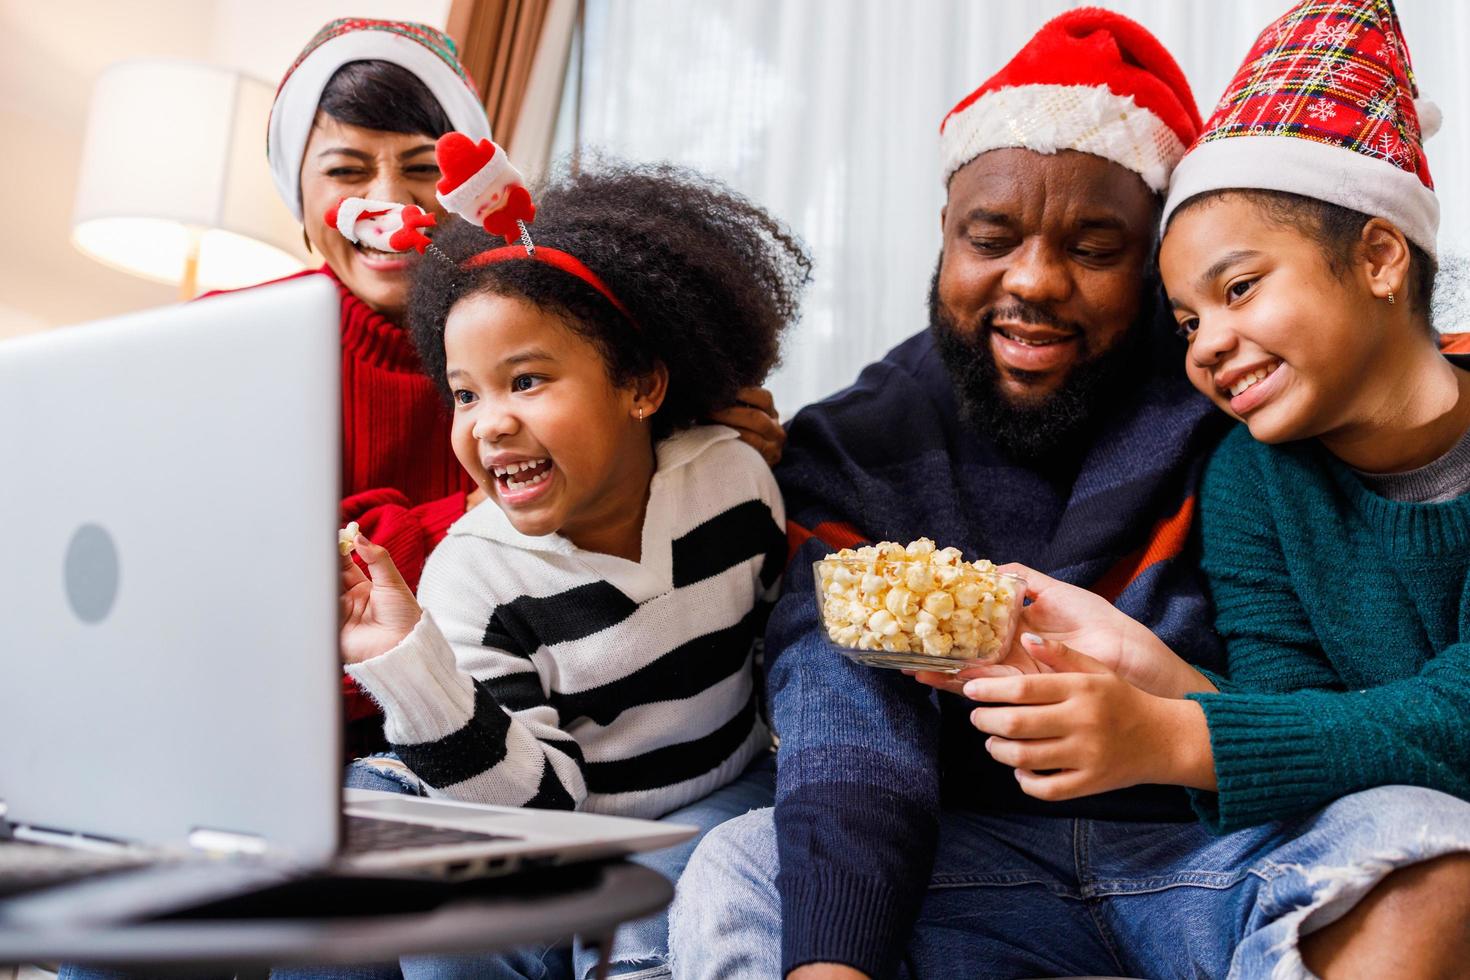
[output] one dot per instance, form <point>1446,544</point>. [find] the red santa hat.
<point>1090,80</point>
<point>429,54</point>
<point>1324,105</point>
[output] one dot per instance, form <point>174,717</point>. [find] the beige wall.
<point>50,53</point>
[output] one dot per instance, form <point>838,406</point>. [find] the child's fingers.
<point>988,670</point>
<point>1029,721</point>
<point>351,575</point>
<point>1024,689</point>
<point>1060,657</point>
<point>347,608</point>
<point>1065,785</point>
<point>379,564</point>
<point>1031,575</point>
<point>1036,582</point>
<point>939,680</point>
<point>1049,753</point>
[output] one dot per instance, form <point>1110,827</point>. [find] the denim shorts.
<point>1021,896</point>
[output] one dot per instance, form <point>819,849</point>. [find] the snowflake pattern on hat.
<point>1334,72</point>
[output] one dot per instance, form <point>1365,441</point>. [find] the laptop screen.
<point>168,640</point>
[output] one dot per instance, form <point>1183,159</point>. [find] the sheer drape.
<point>827,112</point>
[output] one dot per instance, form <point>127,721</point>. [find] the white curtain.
<point>827,112</point>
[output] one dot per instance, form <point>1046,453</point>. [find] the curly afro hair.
<point>710,280</point>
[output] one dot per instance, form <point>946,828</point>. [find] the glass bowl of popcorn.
<point>917,607</point>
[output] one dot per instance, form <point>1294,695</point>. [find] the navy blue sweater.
<point>868,756</point>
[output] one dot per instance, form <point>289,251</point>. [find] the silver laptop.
<point>169,677</point>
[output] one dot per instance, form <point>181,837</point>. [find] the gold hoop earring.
<point>640,413</point>
<point>1390,297</point>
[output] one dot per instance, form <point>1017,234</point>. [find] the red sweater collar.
<point>370,336</point>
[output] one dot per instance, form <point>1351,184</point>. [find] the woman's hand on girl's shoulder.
<point>754,416</point>
<point>376,611</point>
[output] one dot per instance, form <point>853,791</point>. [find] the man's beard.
<point>1057,426</point>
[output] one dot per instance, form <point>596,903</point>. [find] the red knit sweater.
<point>400,480</point>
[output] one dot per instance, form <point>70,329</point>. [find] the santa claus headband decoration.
<point>383,225</point>
<point>429,54</point>
<point>1089,80</point>
<point>1325,105</point>
<point>480,185</point>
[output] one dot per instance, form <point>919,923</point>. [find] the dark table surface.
<point>330,920</point>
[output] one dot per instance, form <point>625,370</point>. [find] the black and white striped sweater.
<point>544,675</point>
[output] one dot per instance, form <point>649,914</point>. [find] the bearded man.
<point>1042,418</point>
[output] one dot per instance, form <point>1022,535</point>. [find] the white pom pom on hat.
<point>1430,118</point>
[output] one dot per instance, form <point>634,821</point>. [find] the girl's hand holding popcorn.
<point>376,611</point>
<point>1081,729</point>
<point>1090,624</point>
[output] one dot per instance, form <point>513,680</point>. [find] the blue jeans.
<point>1016,896</point>
<point>640,949</point>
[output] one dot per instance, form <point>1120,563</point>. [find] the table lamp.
<point>174,184</point>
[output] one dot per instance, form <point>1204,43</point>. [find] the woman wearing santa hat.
<point>357,115</point>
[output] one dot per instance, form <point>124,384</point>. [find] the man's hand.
<point>375,613</point>
<point>1082,729</point>
<point>754,416</point>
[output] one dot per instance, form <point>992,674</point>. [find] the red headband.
<point>552,257</point>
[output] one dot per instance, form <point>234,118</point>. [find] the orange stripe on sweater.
<point>1165,541</point>
<point>834,534</point>
<point>1454,343</point>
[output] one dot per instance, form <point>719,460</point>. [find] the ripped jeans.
<point>640,949</point>
<point>1023,896</point>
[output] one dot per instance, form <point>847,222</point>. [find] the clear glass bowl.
<point>992,599</point>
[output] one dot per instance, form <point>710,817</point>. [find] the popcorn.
<point>918,599</point>
<point>347,538</point>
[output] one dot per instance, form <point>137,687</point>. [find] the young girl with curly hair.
<point>586,638</point>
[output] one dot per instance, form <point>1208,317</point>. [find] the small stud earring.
<point>1390,297</point>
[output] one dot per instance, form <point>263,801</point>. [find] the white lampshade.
<point>174,161</point>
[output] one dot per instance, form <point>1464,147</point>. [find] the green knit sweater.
<point>1346,618</point>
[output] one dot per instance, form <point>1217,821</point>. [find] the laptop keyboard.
<point>367,834</point>
<point>25,866</point>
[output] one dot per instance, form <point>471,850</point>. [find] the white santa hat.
<point>429,54</point>
<point>1089,80</point>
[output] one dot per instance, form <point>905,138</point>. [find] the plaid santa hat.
<point>1325,105</point>
<point>1089,80</point>
<point>429,54</point>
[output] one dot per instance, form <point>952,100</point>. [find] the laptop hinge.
<point>226,842</point>
<point>66,838</point>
